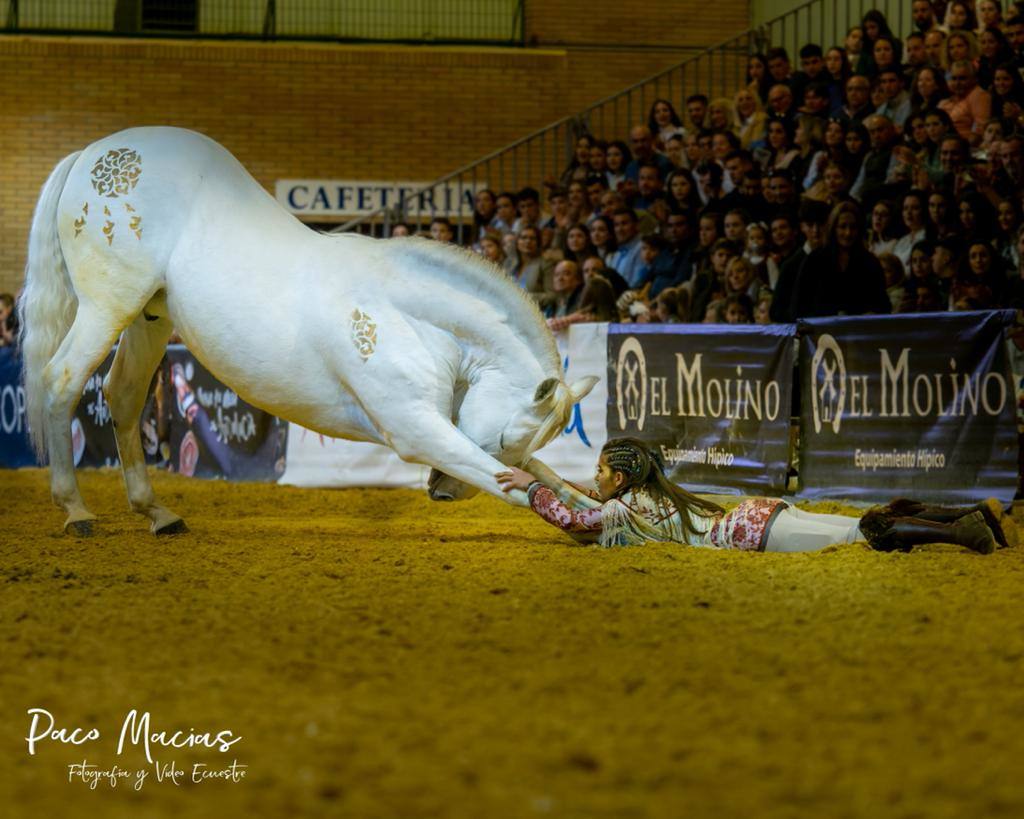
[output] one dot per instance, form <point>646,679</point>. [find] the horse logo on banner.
<point>631,399</point>
<point>828,381</point>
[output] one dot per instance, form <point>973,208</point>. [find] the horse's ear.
<point>546,391</point>
<point>582,387</point>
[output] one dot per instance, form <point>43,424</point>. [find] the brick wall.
<point>322,110</point>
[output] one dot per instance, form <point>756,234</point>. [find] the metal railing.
<point>718,71</point>
<point>492,22</point>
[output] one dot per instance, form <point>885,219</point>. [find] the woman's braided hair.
<point>644,467</point>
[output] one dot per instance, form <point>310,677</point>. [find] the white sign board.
<point>358,197</point>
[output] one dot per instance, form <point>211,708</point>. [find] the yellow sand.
<point>384,656</point>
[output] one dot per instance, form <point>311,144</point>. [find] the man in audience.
<point>642,144</point>
<point>858,101</point>
<point>626,260</point>
<point>897,101</point>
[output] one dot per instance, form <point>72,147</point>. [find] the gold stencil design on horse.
<point>364,334</point>
<point>116,172</point>
<point>80,221</point>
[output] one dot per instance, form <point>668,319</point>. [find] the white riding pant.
<point>794,530</point>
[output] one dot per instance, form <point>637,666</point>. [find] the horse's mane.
<point>489,281</point>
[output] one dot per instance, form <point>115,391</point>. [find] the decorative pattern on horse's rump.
<point>116,172</point>
<point>364,334</point>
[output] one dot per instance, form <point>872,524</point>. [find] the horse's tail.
<point>48,302</point>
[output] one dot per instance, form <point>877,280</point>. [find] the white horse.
<point>423,347</point>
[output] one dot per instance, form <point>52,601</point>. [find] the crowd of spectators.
<point>880,175</point>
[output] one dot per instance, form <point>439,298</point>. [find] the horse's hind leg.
<point>91,335</point>
<point>126,388</point>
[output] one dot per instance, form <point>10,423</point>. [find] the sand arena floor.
<point>384,656</point>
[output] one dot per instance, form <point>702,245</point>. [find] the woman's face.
<point>614,159</point>
<point>880,218</point>
<point>680,188</point>
<point>870,30</point>
<point>597,159</point>
<point>491,249</point>
<point>739,275</point>
<point>576,239</point>
<point>917,130</point>
<point>937,209</point>
<point>834,62</point>
<point>583,150</point>
<point>967,215</point>
<point>988,13</point>
<point>707,232</point>
<point>835,180</point>
<point>834,134</point>
<point>756,69</point>
<point>691,147</point>
<point>913,213</point>
<point>854,41</point>
<point>745,103</point>
<point>846,231</point>
<point>957,48</point>
<point>979,257</point>
<point>718,117</point>
<point>527,244</point>
<point>1007,217</point>
<point>776,135</point>
<point>989,44</point>
<point>854,144</point>
<point>1002,82</point>
<point>598,233</point>
<point>926,85</point>
<point>577,195</point>
<point>993,132</point>
<point>935,128</point>
<point>883,53</point>
<point>662,114</point>
<point>920,264</point>
<point>956,17</point>
<point>606,479</point>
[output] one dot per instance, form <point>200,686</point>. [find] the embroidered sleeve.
<point>551,509</point>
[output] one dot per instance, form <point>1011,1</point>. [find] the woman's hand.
<point>513,478</point>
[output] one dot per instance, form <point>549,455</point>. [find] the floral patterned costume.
<point>636,517</point>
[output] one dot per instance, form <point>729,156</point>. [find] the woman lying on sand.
<point>635,502</point>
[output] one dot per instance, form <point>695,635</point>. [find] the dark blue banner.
<point>213,432</point>
<point>15,449</point>
<point>715,399</point>
<point>920,406</point>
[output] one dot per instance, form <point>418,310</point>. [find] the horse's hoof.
<point>175,527</point>
<point>79,528</point>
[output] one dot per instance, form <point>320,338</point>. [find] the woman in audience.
<point>750,117</point>
<point>663,122</point>
<point>930,88</point>
<point>811,158</point>
<point>618,157</point>
<point>781,151</point>
<point>602,236</point>
<point>759,80</point>
<point>914,212</point>
<point>1007,93</point>
<point>881,235</point>
<point>994,50</point>
<point>681,191</point>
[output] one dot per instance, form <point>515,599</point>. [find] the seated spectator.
<point>722,116</point>
<point>441,229</point>
<point>595,266</point>
<point>696,112</point>
<point>969,105</point>
<point>895,279</point>
<point>579,165</point>
<point>663,122</point>
<point>602,236</point>
<point>858,105</point>
<point>738,309</point>
<point>484,208</point>
<point>671,305</point>
<point>681,191</point>
<point>763,307</point>
<point>527,267</point>
<point>400,229</point>
<point>883,230</point>
<point>566,291</point>
<point>504,212</point>
<point>490,248</point>
<point>750,117</point>
<point>648,187</point>
<point>577,243</point>
<point>741,279</point>
<point>813,218</point>
<point>897,104</point>
<point>842,277</point>
<point>642,142</point>
<point>626,259</point>
<point>618,158</point>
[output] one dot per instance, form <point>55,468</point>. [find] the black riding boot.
<point>992,510</point>
<point>888,534</point>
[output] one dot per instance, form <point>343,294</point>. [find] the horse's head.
<point>512,439</point>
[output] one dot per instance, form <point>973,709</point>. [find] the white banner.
<point>357,197</point>
<point>316,460</point>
